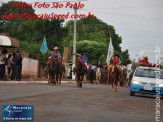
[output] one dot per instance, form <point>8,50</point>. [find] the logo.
<point>17,112</point>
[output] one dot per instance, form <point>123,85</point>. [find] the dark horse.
<point>61,71</point>
<point>80,72</point>
<point>123,79</point>
<point>114,73</point>
<point>53,71</point>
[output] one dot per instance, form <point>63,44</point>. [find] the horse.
<point>80,72</point>
<point>105,72</point>
<point>98,75</point>
<point>61,71</point>
<point>91,75</point>
<point>114,72</point>
<point>53,71</point>
<point>49,73</point>
<point>123,78</point>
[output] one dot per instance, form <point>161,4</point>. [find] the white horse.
<point>98,75</point>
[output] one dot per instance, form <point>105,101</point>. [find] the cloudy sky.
<point>138,22</point>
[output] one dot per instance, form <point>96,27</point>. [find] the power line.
<point>116,14</point>
<point>128,7</point>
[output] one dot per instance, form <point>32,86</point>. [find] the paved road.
<point>92,103</point>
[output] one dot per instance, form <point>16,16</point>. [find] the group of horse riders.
<point>81,68</point>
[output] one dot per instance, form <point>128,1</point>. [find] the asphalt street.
<point>92,103</point>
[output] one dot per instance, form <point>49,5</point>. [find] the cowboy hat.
<point>145,57</point>
<point>55,48</point>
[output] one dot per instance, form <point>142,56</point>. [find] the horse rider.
<point>55,54</point>
<point>99,65</point>
<point>144,61</point>
<point>115,60</point>
<point>83,59</point>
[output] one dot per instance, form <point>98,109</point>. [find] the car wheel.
<point>161,96</point>
<point>132,93</point>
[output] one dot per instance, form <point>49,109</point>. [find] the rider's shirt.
<point>116,61</point>
<point>83,59</point>
<point>52,53</point>
<point>144,62</point>
<point>79,59</point>
<point>93,67</point>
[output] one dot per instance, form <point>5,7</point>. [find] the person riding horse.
<point>53,68</point>
<point>55,53</point>
<point>114,73</point>
<point>80,68</point>
<point>83,59</point>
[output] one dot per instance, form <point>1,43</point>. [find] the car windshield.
<point>140,72</point>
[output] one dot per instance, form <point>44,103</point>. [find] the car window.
<point>147,73</point>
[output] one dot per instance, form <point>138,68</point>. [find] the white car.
<point>144,81</point>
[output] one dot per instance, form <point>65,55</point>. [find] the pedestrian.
<point>13,67</point>
<point>2,63</point>
<point>18,59</point>
<point>93,68</point>
<point>9,64</point>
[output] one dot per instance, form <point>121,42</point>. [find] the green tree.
<point>95,30</point>
<point>9,25</point>
<point>96,51</point>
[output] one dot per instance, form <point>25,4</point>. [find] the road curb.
<point>31,82</point>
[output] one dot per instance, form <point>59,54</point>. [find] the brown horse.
<point>80,72</point>
<point>114,73</point>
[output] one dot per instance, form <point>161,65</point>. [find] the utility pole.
<point>74,41</point>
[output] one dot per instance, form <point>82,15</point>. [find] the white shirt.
<point>2,56</point>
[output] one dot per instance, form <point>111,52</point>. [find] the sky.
<point>138,22</point>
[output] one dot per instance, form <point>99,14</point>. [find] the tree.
<point>96,51</point>
<point>9,25</point>
<point>95,30</point>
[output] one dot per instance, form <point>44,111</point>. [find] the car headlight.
<point>135,82</point>
<point>160,85</point>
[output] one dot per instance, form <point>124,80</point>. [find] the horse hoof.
<point>80,85</point>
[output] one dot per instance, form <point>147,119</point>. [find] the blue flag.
<point>44,46</point>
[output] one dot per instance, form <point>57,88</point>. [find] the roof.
<point>8,41</point>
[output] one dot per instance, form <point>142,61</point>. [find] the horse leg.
<point>48,79</point>
<point>81,80</point>
<point>54,82</point>
<point>60,77</point>
<point>57,78</point>
<point>115,87</point>
<point>78,80</point>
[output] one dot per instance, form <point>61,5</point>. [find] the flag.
<point>110,52</point>
<point>120,61</point>
<point>44,46</point>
